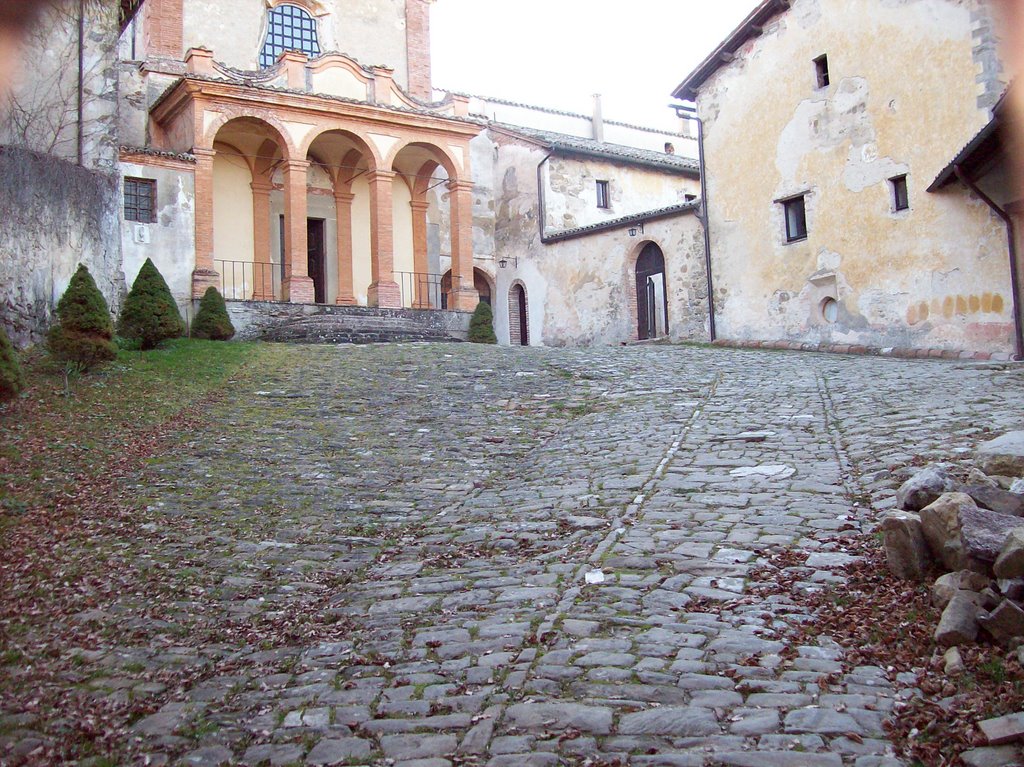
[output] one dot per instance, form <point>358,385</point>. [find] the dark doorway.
<point>651,290</point>
<point>518,325</point>
<point>316,255</point>
<point>483,287</point>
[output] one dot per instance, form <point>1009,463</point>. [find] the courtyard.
<point>448,554</point>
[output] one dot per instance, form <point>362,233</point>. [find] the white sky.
<point>556,53</point>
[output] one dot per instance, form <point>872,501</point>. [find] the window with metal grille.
<point>140,200</point>
<point>602,195</point>
<point>796,219</point>
<point>289,28</point>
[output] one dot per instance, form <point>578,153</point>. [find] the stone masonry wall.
<point>56,216</point>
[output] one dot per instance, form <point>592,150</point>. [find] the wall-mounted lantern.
<point>635,230</point>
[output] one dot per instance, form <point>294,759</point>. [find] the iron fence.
<point>422,290</point>
<point>250,280</point>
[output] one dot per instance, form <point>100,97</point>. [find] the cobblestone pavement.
<point>536,557</point>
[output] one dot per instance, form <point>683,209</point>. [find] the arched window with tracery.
<point>289,28</point>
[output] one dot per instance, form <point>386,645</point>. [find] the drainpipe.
<point>81,82</point>
<point>541,202</point>
<point>690,113</point>
<point>1011,237</point>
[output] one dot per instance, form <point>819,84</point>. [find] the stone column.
<point>383,291</point>
<point>262,269</point>
<point>421,297</point>
<point>464,296</point>
<point>298,286</point>
<point>204,275</point>
<point>343,207</point>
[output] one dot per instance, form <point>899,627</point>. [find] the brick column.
<point>343,206</point>
<point>417,46</point>
<point>262,269</point>
<point>383,291</point>
<point>204,275</point>
<point>298,286</point>
<point>421,298</point>
<point>464,295</point>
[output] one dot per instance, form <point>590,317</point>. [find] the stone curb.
<point>890,351</point>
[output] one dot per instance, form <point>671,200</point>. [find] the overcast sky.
<point>556,53</point>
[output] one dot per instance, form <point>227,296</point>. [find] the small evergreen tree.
<point>83,335</point>
<point>150,315</point>
<point>212,319</point>
<point>481,325</point>
<point>11,381</point>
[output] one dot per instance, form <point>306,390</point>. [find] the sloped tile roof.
<point>624,221</point>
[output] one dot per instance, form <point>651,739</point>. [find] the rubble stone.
<point>924,488</point>
<point>959,623</point>
<point>1010,562</point>
<point>1003,729</point>
<point>1003,455</point>
<point>905,547</point>
<point>1005,622</point>
<point>997,499</point>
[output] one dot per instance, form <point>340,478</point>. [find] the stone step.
<point>353,329</point>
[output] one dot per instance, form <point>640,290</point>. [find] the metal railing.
<point>249,280</point>
<point>422,290</point>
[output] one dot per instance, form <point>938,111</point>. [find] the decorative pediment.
<point>335,74</point>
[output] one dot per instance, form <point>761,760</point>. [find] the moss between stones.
<point>84,333</point>
<point>212,319</point>
<point>150,314</point>
<point>481,325</point>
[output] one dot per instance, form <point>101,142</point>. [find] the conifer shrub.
<point>150,315</point>
<point>11,380</point>
<point>212,319</point>
<point>84,334</point>
<point>481,325</point>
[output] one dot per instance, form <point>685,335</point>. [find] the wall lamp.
<point>635,230</point>
<point>503,262</point>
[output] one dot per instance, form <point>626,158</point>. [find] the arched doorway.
<point>483,286</point>
<point>518,316</point>
<point>651,289</point>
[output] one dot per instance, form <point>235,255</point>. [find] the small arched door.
<point>518,326</point>
<point>651,290</point>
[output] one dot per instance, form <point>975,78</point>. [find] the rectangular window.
<point>140,200</point>
<point>821,70</point>
<point>796,219</point>
<point>900,195</point>
<point>602,195</point>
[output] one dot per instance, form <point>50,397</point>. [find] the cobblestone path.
<point>536,557</point>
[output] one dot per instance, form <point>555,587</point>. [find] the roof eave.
<point>725,52</point>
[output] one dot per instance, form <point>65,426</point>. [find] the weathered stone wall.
<point>570,196</point>
<point>371,31</point>
<point>582,290</point>
<point>42,113</point>
<point>170,240</point>
<point>56,216</point>
<point>904,97</point>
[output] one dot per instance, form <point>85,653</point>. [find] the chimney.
<point>417,47</point>
<point>597,122</point>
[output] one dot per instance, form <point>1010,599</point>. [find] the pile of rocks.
<point>970,527</point>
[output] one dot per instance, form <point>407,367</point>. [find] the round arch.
<point>440,155</point>
<point>261,122</point>
<point>360,145</point>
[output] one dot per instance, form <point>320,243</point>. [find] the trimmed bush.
<point>150,315</point>
<point>84,334</point>
<point>481,325</point>
<point>11,381</point>
<point>212,319</point>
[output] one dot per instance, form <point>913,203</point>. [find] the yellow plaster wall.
<point>902,99</point>
<point>233,215</point>
<point>361,269</point>
<point>401,196</point>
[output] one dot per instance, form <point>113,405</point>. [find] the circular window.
<point>830,310</point>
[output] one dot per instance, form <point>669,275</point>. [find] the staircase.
<point>320,324</point>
